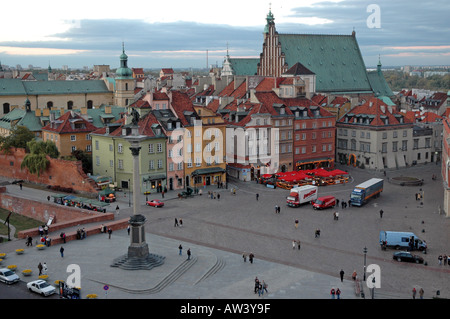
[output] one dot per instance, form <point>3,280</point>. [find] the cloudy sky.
<point>179,33</point>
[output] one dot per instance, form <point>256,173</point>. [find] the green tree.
<point>86,160</point>
<point>19,137</point>
<point>36,161</point>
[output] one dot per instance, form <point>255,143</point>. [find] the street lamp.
<point>365,253</point>
<point>129,191</point>
<point>373,287</point>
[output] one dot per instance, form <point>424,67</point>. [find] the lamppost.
<point>365,253</point>
<point>373,287</point>
<point>129,191</point>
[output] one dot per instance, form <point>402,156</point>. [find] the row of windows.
<point>69,104</point>
<point>120,164</point>
<point>303,150</point>
<point>303,136</point>
<point>365,134</point>
<point>365,147</point>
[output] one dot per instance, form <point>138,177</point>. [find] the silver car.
<point>8,276</point>
<point>41,287</point>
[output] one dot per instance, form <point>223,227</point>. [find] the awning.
<point>204,171</point>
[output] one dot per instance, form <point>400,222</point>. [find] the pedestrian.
<point>20,185</point>
<point>338,293</point>
<point>250,257</point>
<point>341,273</point>
<point>440,260</point>
<point>189,254</point>
<point>414,293</point>
<point>354,275</point>
<point>317,233</point>
<point>256,285</point>
<point>181,222</point>
<point>44,269</point>
<point>298,244</point>
<point>337,202</point>
<point>265,285</point>
<point>381,213</point>
<point>276,209</point>
<point>260,290</point>
<point>29,241</point>
<point>176,222</point>
<point>244,256</point>
<point>117,210</point>
<point>445,259</point>
<point>128,230</point>
<point>63,236</point>
<point>109,232</point>
<point>257,197</point>
<point>349,202</point>
<point>296,223</point>
<point>294,244</point>
<point>61,250</point>
<point>180,250</point>
<point>40,269</point>
<point>162,193</point>
<point>332,293</point>
<point>218,196</point>
<point>279,209</point>
<point>421,292</point>
<point>342,204</point>
<point>48,198</point>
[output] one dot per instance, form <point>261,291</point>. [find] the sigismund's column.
<point>138,247</point>
<point>138,256</point>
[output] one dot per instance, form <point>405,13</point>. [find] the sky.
<point>198,33</point>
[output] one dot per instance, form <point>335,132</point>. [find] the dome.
<point>124,71</point>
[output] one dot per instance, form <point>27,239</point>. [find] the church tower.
<point>272,60</point>
<point>124,90</point>
<point>226,68</point>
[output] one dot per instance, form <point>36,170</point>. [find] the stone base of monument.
<point>138,256</point>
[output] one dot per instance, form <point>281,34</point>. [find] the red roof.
<point>181,103</point>
<point>377,109</point>
<point>65,124</point>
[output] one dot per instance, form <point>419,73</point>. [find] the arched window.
<point>6,108</point>
<point>90,104</point>
<point>126,86</point>
<point>49,104</point>
<point>69,105</point>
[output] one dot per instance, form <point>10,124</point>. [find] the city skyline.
<point>196,34</point>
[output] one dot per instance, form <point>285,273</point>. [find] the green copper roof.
<point>244,66</point>
<point>335,59</point>
<point>379,84</point>
<point>18,87</point>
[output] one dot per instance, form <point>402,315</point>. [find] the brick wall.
<point>68,174</point>
<point>63,216</point>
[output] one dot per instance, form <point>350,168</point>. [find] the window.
<point>120,164</point>
<point>6,108</point>
<point>88,148</point>
<point>159,148</point>
<point>110,147</point>
<point>198,161</point>
<point>404,145</point>
<point>189,162</point>
<point>151,164</point>
<point>70,105</point>
<point>120,148</point>
<point>150,148</point>
<point>416,144</point>
<point>313,148</point>
<point>394,146</point>
<point>88,137</point>
<point>160,164</point>
<point>170,167</point>
<point>73,138</point>
<point>111,163</point>
<point>97,145</point>
<point>384,135</point>
<point>97,160</point>
<point>384,148</point>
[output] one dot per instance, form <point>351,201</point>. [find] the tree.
<point>86,160</point>
<point>36,161</point>
<point>19,137</point>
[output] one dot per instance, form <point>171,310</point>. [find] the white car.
<point>8,276</point>
<point>41,287</point>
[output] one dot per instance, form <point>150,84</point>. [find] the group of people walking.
<point>260,287</point>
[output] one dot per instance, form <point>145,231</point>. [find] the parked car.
<point>8,276</point>
<point>324,202</point>
<point>41,287</point>
<point>155,203</point>
<point>408,257</point>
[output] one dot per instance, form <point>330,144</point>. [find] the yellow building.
<point>69,132</point>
